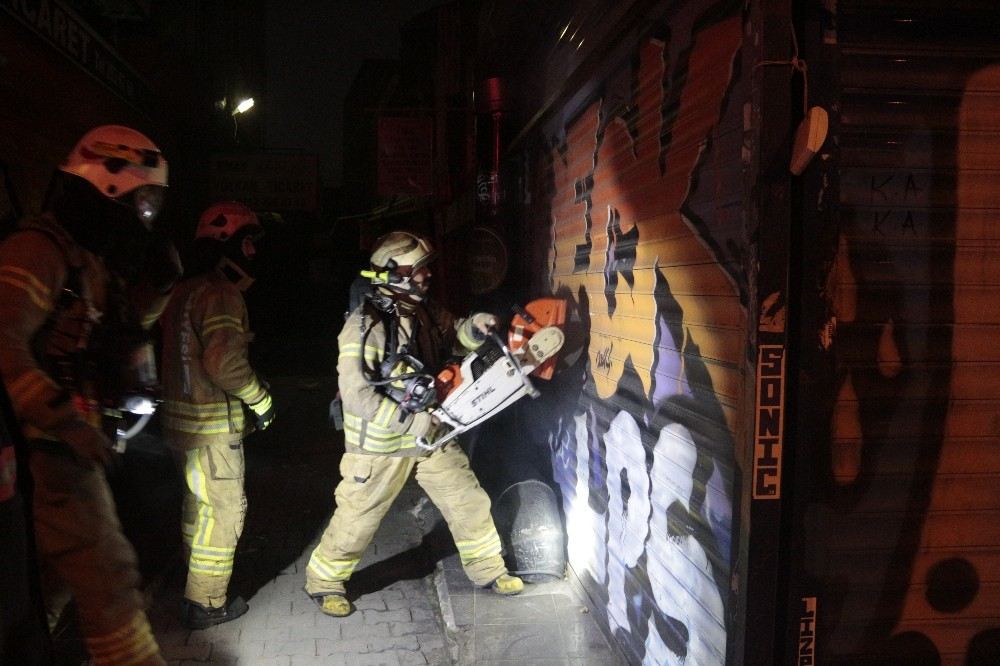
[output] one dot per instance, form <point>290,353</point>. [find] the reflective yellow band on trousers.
<point>212,560</point>
<point>331,569</point>
<point>131,644</point>
<point>196,484</point>
<point>470,551</point>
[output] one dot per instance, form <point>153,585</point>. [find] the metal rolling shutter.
<point>911,531</point>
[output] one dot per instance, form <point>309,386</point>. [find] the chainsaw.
<point>498,374</point>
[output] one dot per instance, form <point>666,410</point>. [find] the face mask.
<point>147,201</point>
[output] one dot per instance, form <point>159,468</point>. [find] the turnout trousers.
<point>368,487</point>
<point>212,517</point>
<point>80,539</point>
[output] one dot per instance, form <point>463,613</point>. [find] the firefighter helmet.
<point>223,220</point>
<point>396,259</point>
<point>397,255</point>
<point>120,161</point>
<point>116,160</point>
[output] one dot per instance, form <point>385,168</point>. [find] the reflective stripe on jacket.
<point>373,422</point>
<point>35,267</point>
<point>206,373</point>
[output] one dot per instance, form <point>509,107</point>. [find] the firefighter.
<point>62,311</point>
<point>389,345</point>
<point>207,380</point>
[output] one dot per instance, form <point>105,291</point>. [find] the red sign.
<point>405,156</point>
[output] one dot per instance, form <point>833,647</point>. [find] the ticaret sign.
<point>60,27</point>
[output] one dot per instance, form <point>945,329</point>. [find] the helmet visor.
<point>147,201</point>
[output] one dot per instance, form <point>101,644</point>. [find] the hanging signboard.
<point>267,182</point>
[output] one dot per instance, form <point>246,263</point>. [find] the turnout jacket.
<point>373,422</point>
<point>55,298</point>
<point>206,373</point>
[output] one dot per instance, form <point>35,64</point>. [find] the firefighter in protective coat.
<point>63,312</point>
<point>207,380</point>
<point>386,346</point>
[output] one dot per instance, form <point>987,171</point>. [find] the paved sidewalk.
<point>548,624</point>
<point>414,604</point>
<point>396,625</point>
<point>291,476</point>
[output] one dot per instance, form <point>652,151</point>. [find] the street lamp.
<point>245,105</point>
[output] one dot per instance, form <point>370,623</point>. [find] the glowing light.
<point>244,106</point>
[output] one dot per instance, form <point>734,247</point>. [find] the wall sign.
<point>768,432</point>
<point>61,28</point>
<point>807,633</point>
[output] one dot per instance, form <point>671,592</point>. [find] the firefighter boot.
<point>507,585</point>
<point>197,616</point>
<point>336,605</point>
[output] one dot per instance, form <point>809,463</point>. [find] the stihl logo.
<point>479,398</point>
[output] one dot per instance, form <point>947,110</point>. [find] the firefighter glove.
<point>88,443</point>
<point>264,409</point>
<point>423,423</point>
<point>475,329</point>
<point>483,323</point>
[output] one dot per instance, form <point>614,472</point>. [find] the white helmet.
<point>221,221</point>
<point>118,160</point>
<point>399,249</point>
<point>397,256</point>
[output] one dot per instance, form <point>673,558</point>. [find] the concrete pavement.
<point>414,604</point>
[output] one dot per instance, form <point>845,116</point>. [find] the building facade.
<point>777,441</point>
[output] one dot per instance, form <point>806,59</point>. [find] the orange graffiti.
<point>620,191</point>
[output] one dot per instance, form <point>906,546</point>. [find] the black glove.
<point>264,410</point>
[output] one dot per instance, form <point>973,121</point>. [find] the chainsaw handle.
<point>438,442</point>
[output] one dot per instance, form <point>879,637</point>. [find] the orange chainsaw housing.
<point>544,312</point>
<point>449,379</point>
